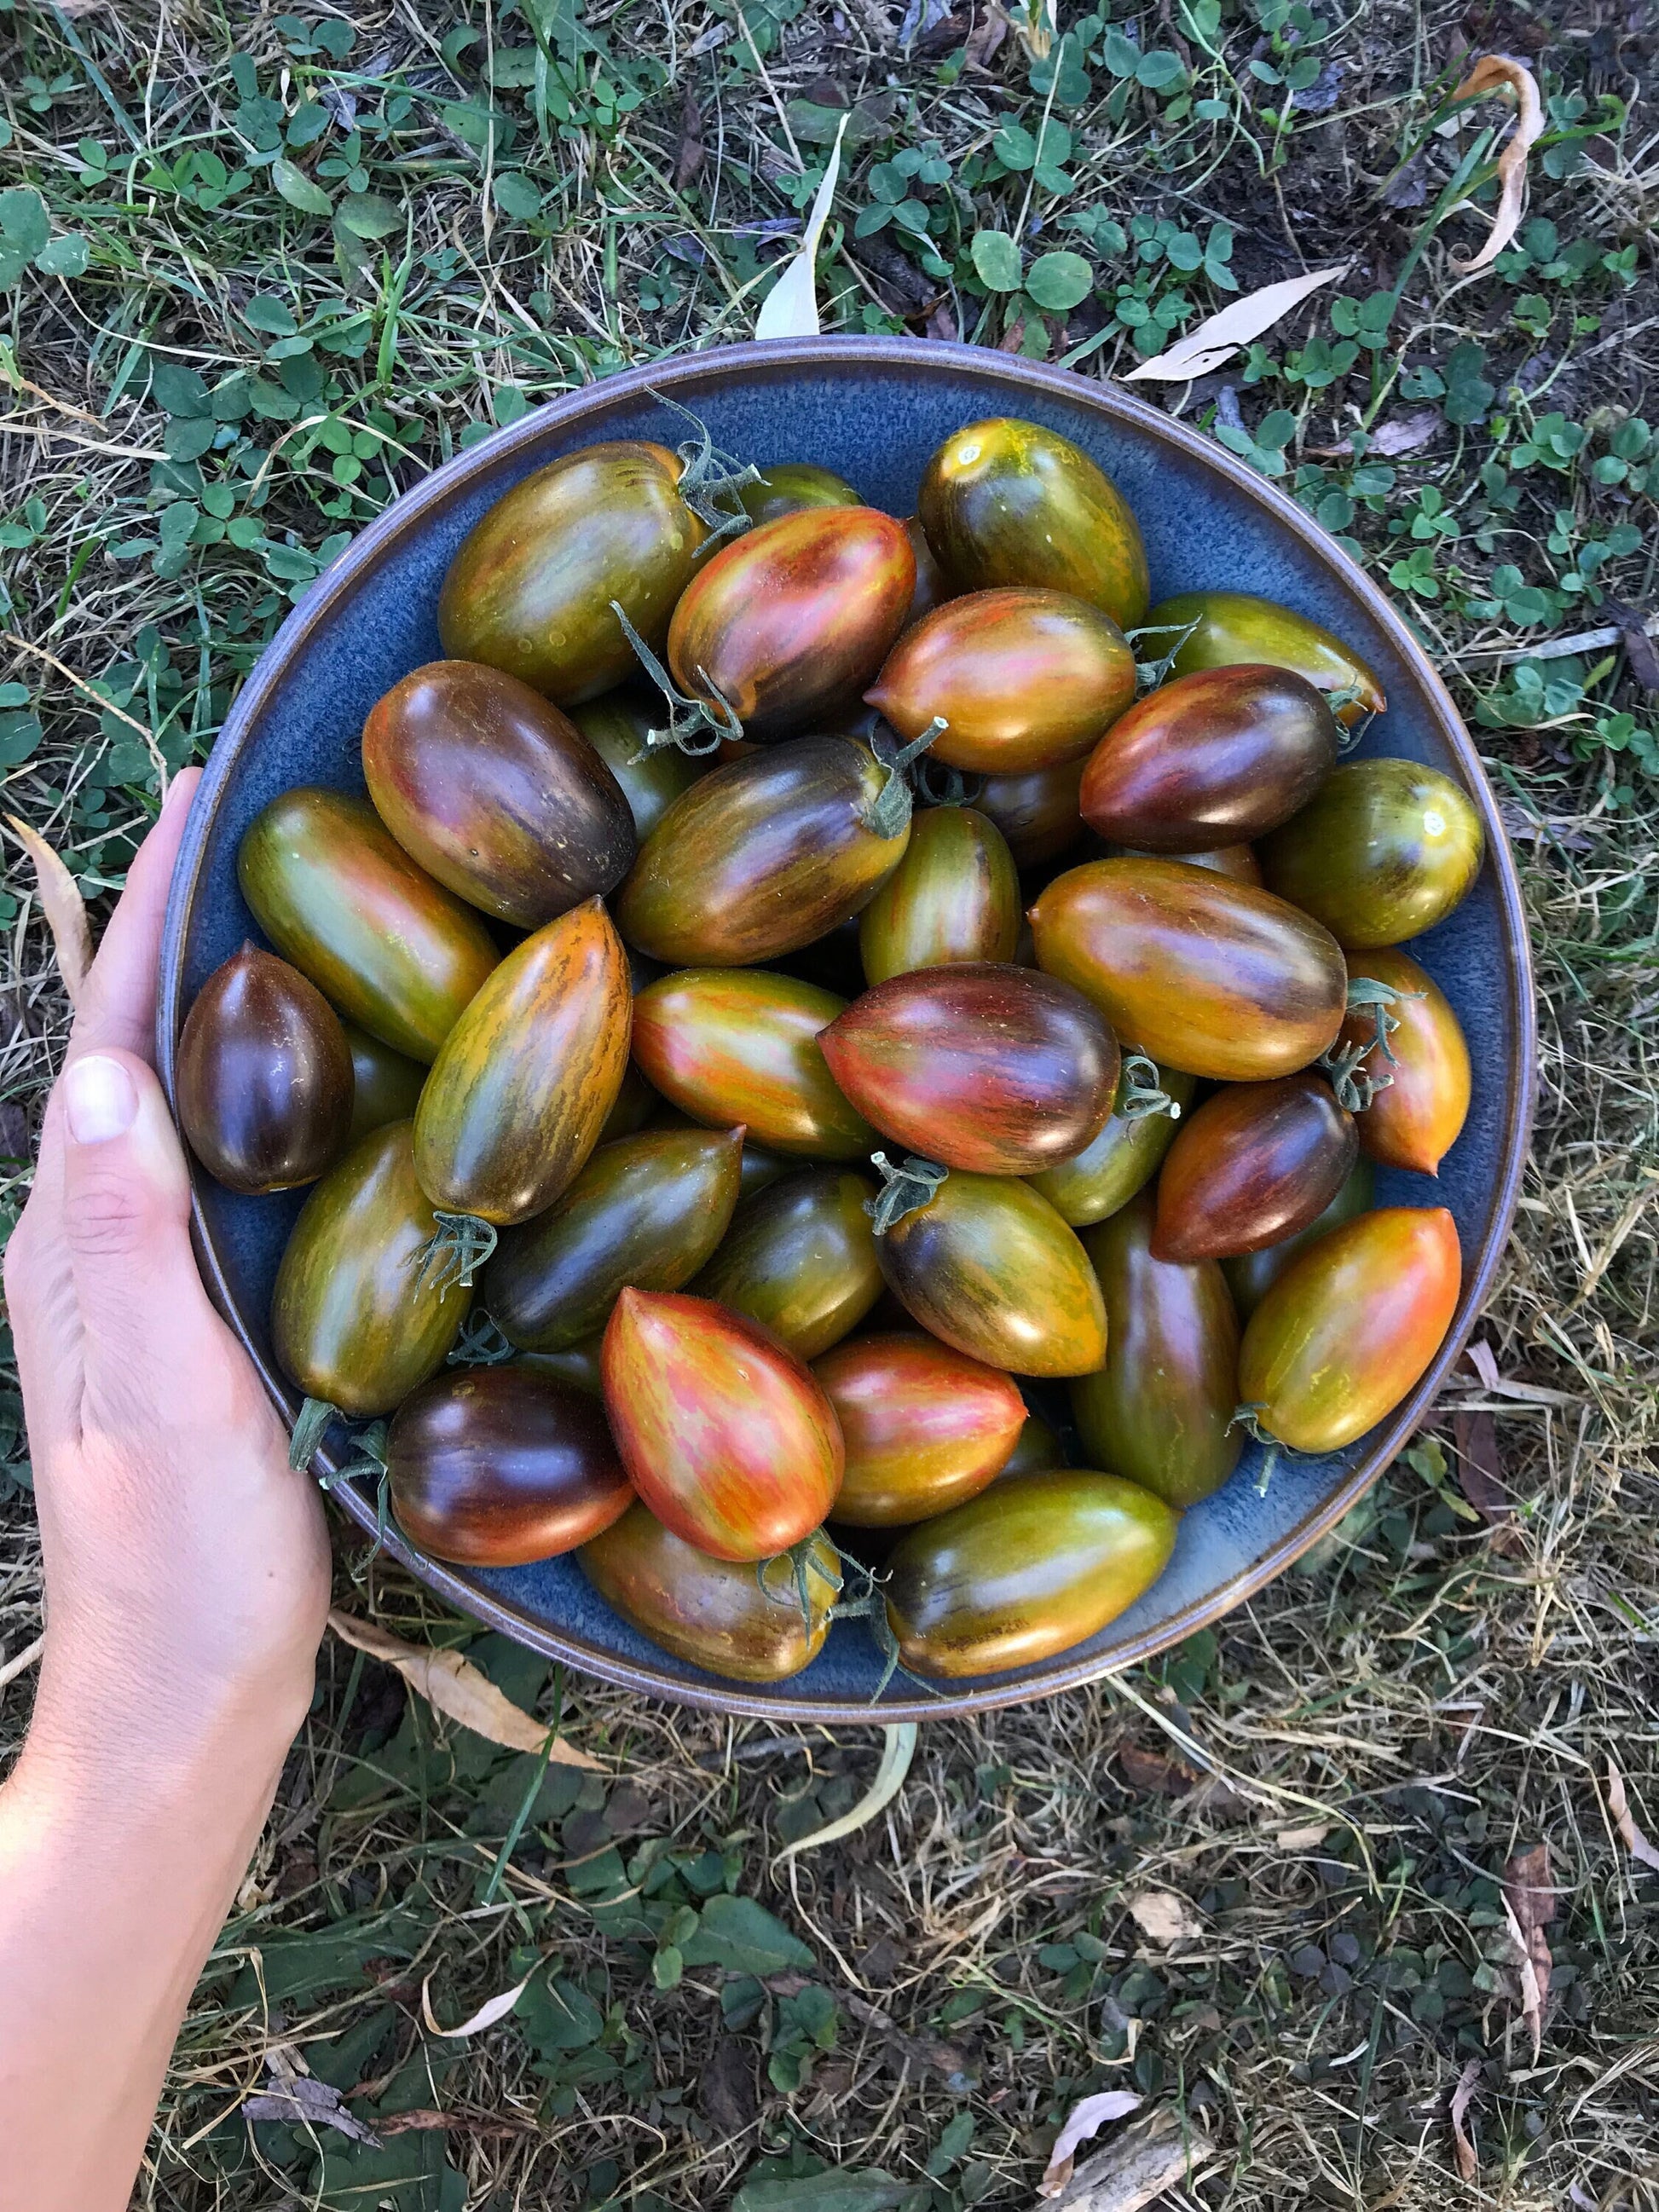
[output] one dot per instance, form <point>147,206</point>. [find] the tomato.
<point>991,1067</point>
<point>493,1467</point>
<point>800,1259</point>
<point>1022,679</point>
<point>652,777</point>
<point>931,590</point>
<point>264,1080</point>
<point>386,1086</point>
<point>955,895</point>
<point>713,1613</point>
<point>727,1438</point>
<point>517,1097</point>
<point>1036,1450</point>
<point>1025,1570</point>
<point>741,1044</point>
<point>339,897</point>
<point>494,792</point>
<point>1009,502</point>
<point>788,623</point>
<point>1213,759</point>
<point>1234,627</point>
<point>1238,862</point>
<point>1037,811</point>
<point>761,1169</point>
<point>1416,1121</point>
<point>354,1319</point>
<point>1386,850</point>
<point>1351,1325</point>
<point>988,1266</point>
<point>1249,1274</point>
<point>1160,1410</point>
<point>764,855</point>
<point>530,589</point>
<point>578,1364</point>
<point>1209,975</point>
<point>1113,1166</point>
<point>924,1429</point>
<point>634,1105</point>
<point>1256,1163</point>
<point>647,1210</point>
<point>791,488</point>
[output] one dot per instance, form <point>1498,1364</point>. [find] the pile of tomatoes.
<point>950,972</point>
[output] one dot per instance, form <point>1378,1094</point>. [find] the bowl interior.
<point>873,411</point>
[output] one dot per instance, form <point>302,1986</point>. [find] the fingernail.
<point>100,1100</point>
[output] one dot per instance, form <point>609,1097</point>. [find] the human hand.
<point>187,1563</point>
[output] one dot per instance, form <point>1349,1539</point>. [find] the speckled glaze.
<point>873,410</point>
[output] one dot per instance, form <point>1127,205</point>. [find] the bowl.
<point>872,409</point>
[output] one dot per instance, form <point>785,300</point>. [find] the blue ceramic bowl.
<point>873,410</point>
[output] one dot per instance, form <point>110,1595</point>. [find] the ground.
<point>261,271</point>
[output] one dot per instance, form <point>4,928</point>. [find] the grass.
<point>262,271</point>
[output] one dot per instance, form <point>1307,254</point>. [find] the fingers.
<point>117,1005</point>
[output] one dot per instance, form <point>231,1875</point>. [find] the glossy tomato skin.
<point>1235,626</point>
<point>647,1210</point>
<point>1415,1122</point>
<point>1250,1274</point>
<point>925,1428</point>
<point>385,1084</point>
<point>493,792</point>
<point>955,895</point>
<point>1024,678</point>
<point>651,777</point>
<point>1212,759</point>
<point>989,1267</point>
<point>526,1079</point>
<point>741,1044</point>
<point>1114,1164</point>
<point>577,1365</point>
<point>529,591</point>
<point>1350,1326</point>
<point>493,1467</point>
<point>634,1104</point>
<point>791,488</point>
<point>1160,1410</point>
<point>799,1259</point>
<point>712,1612</point>
<point>1209,975</point>
<point>264,1078</point>
<point>1036,810</point>
<point>932,589</point>
<point>1025,1570</point>
<point>1036,1450</point>
<point>726,1436</point>
<point>789,622</point>
<point>1256,1163</point>
<point>980,1065</point>
<point>1386,850</point>
<point>761,857</point>
<point>337,895</point>
<point>1005,501</point>
<point>354,1319</point>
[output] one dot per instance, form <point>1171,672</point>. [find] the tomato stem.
<point>1355,1085</point>
<point>1142,1093</point>
<point>689,719</point>
<point>481,1342</point>
<point>457,1248</point>
<point>708,475</point>
<point>803,1563</point>
<point>890,810</point>
<point>953,787</point>
<point>310,1426</point>
<point>1149,674</point>
<point>906,1189</point>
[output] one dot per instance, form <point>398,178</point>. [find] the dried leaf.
<point>1480,1357</point>
<point>1494,73</point>
<point>1481,1466</point>
<point>455,1687</point>
<point>62,904</point>
<point>689,159</point>
<point>791,308</point>
<point>1162,1917</point>
<point>897,1750</point>
<point>1303,1840</point>
<point>495,2008</point>
<point>1404,434</point>
<point>1219,337</point>
<point>1624,1821</point>
<point>1085,2118</point>
<point>1151,1774</point>
<point>1469,2166</point>
<point>301,2101</point>
<point>985,39</point>
<point>1529,1906</point>
<point>1150,2156</point>
<point>1639,650</point>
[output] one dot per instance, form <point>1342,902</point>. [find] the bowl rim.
<point>771,360</point>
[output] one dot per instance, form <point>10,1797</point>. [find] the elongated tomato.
<point>1113,1166</point>
<point>1350,1326</point>
<point>1036,810</point>
<point>1414,1122</point>
<point>925,1428</point>
<point>1384,850</point>
<point>955,895</point>
<point>1229,627</point>
<point>1256,1163</point>
<point>800,1259</point>
<point>264,1078</point>
<point>727,1438</point>
<point>1249,1275</point>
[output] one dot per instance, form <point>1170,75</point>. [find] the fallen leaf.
<point>1404,434</point>
<point>62,904</point>
<point>1624,1821</point>
<point>1639,650</point>
<point>1303,1840</point>
<point>985,39</point>
<point>1153,1775</point>
<point>790,309</point>
<point>1150,2156</point>
<point>1480,1467</point>
<point>1219,337</point>
<point>1469,2166</point>
<point>898,1749</point>
<point>1495,73</point>
<point>493,2009</point>
<point>941,324</point>
<point>301,2100</point>
<point>423,2119</point>
<point>689,159</point>
<point>1162,1917</point>
<point>1085,2118</point>
<point>1529,1906</point>
<point>1479,1353</point>
<point>455,1687</point>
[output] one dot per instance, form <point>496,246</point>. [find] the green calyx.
<point>1249,1418</point>
<point>480,1343</point>
<point>939,785</point>
<point>905,1189</point>
<point>891,808</point>
<point>1348,734</point>
<point>310,1427</point>
<point>1149,674</point>
<point>870,1604</point>
<point>695,725</point>
<point>1142,1094</point>
<point>800,1563</point>
<point>1355,1084</point>
<point>455,1251</point>
<point>710,479</point>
